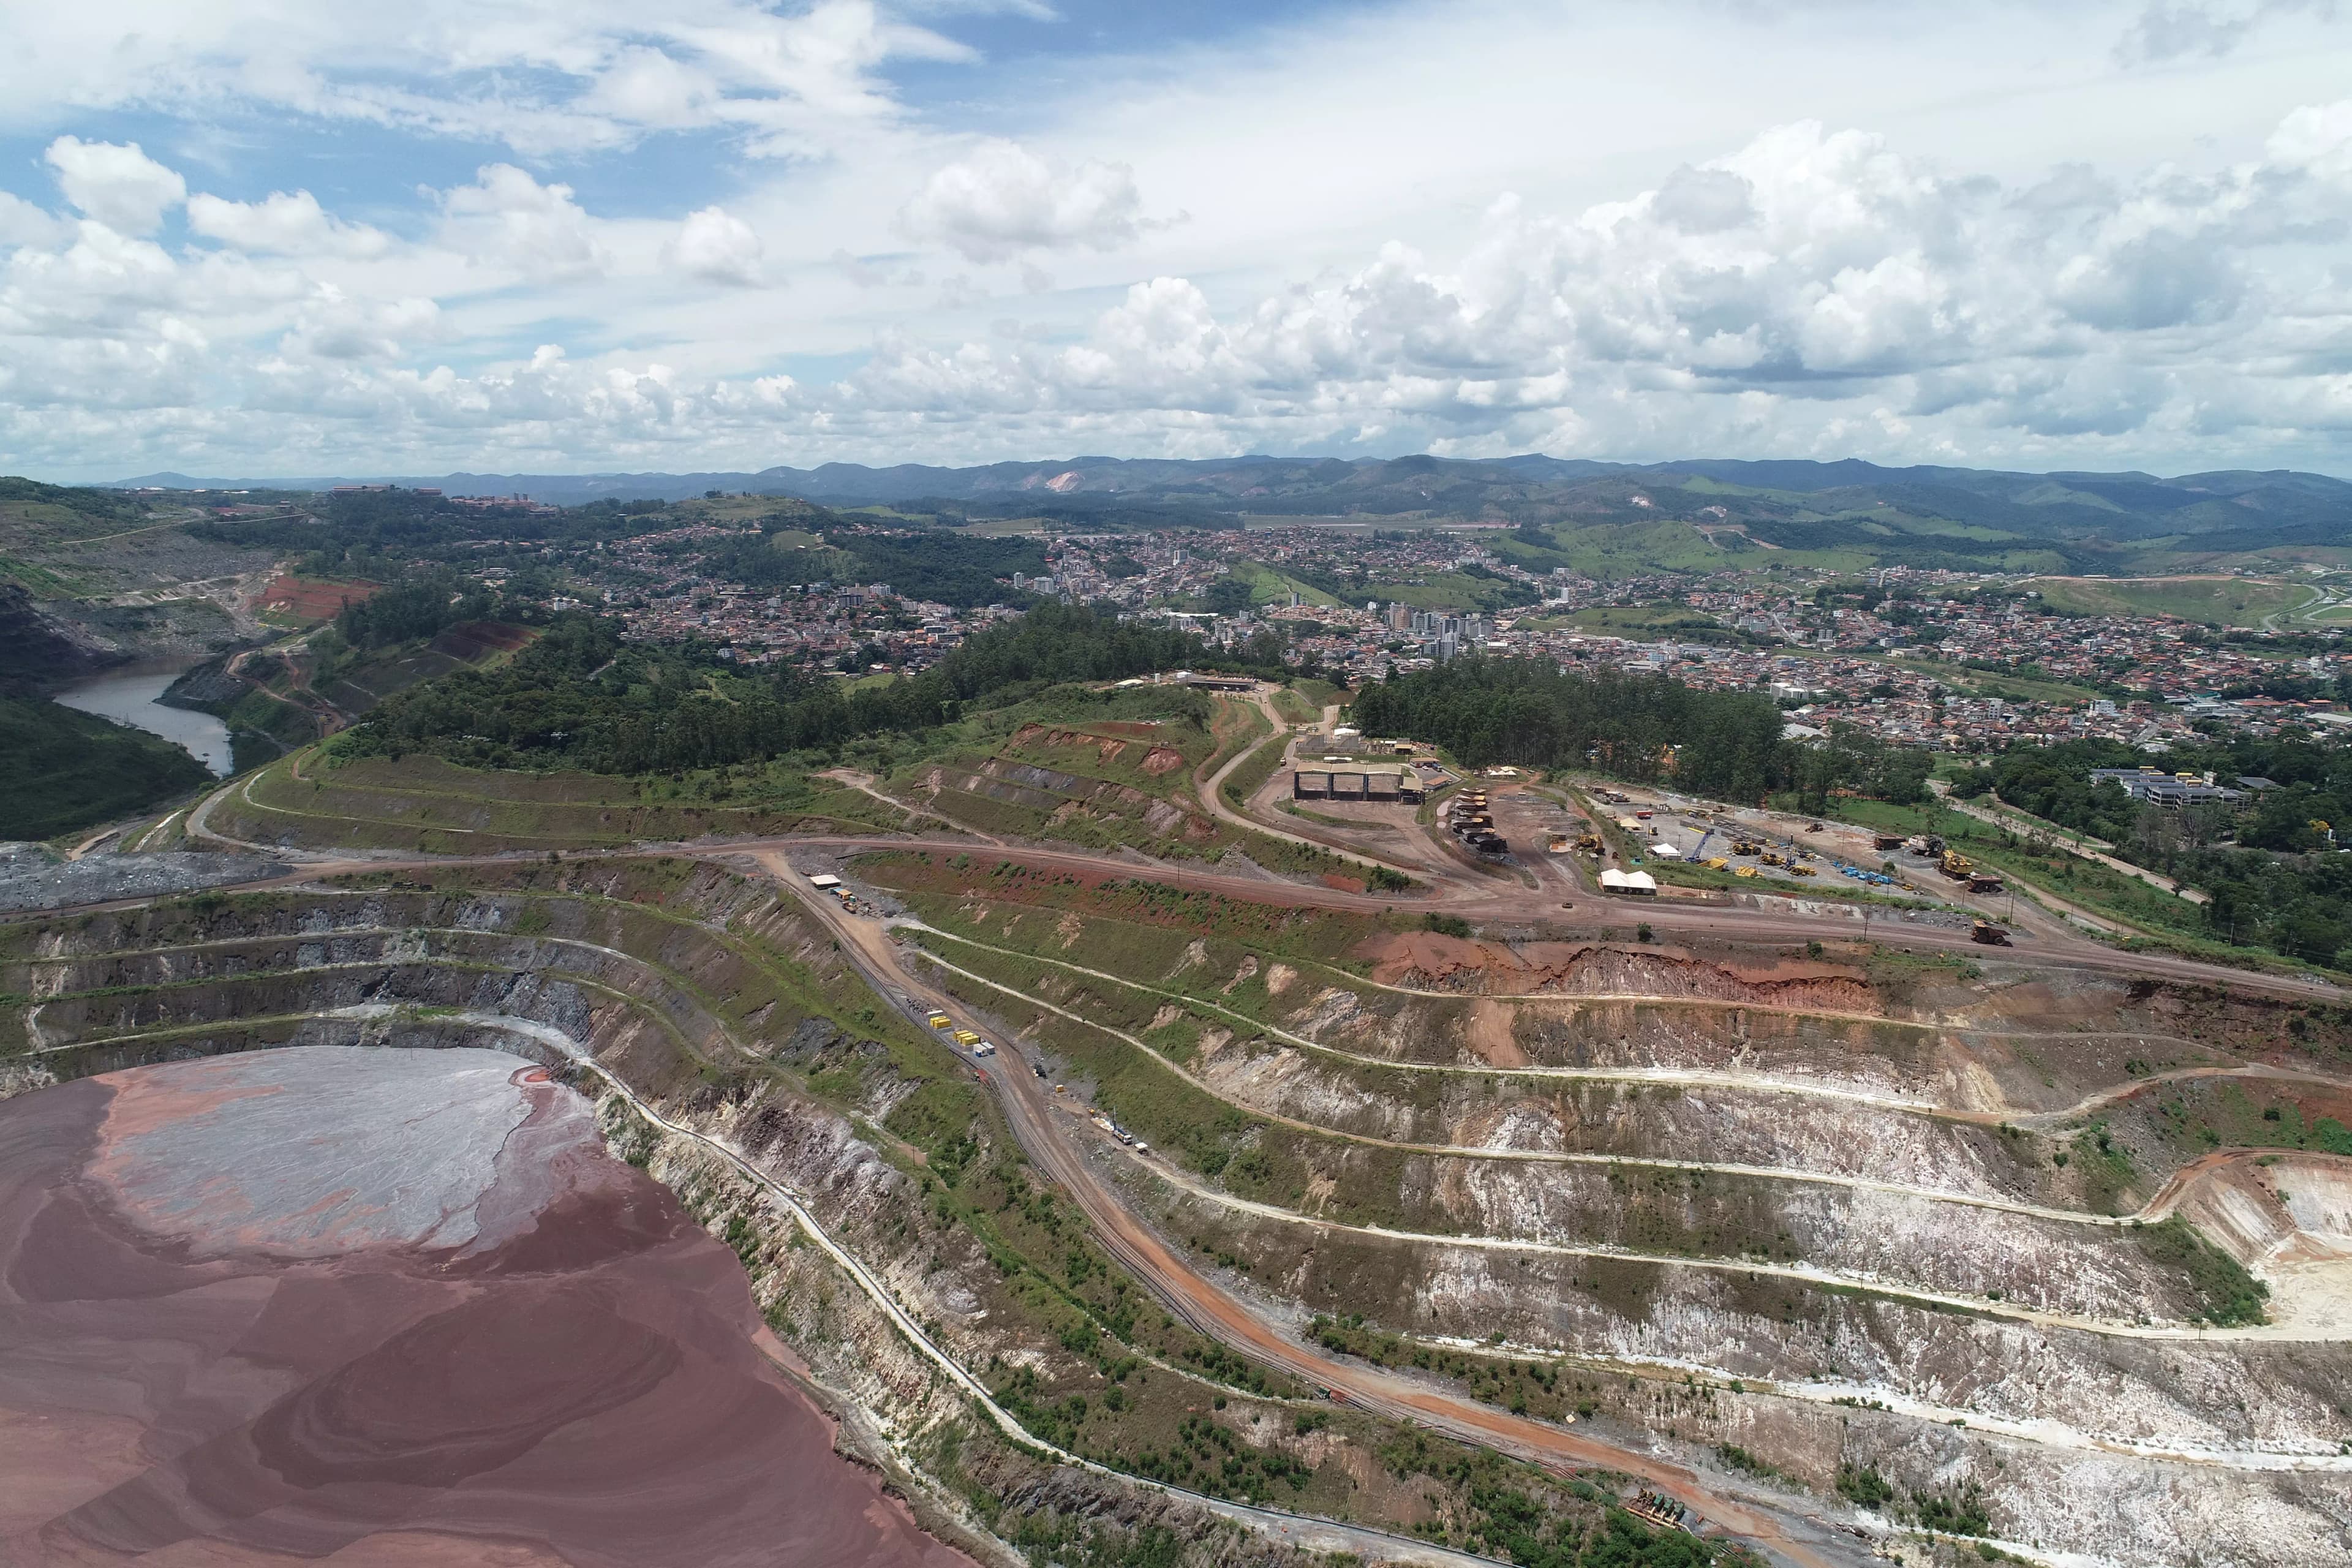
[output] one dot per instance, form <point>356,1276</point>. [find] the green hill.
<point>61,770</point>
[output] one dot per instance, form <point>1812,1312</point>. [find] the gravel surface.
<point>32,879</point>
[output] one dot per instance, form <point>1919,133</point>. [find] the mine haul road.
<point>1590,919</point>
<point>1472,899</point>
<point>1215,1312</point>
<point>1790,1536</point>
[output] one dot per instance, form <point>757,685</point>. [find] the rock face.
<point>268,1307</point>
<point>35,650</point>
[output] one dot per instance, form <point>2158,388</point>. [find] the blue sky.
<point>257,236</point>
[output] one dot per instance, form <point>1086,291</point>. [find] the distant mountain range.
<point>1985,518</point>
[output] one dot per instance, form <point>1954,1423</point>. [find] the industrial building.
<point>1323,783</point>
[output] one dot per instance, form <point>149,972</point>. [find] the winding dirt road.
<point>1472,898</point>
<point>1769,1523</point>
<point>1210,1310</point>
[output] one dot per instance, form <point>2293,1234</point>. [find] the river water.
<point>129,695</point>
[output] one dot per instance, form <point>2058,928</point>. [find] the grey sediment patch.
<point>31,879</point>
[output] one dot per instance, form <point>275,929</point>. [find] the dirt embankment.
<point>1156,759</point>
<point>314,598</point>
<point>2288,1215</point>
<point>1427,961</point>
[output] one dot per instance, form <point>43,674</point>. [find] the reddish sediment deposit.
<point>1427,961</point>
<point>390,1306</point>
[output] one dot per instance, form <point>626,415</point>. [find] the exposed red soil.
<point>1488,1032</point>
<point>313,598</point>
<point>1107,748</point>
<point>581,1385</point>
<point>1426,960</point>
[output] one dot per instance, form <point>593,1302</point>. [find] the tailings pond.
<point>283,1305</point>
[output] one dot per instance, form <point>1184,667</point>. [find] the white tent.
<point>1615,881</point>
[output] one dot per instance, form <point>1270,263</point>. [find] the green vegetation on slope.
<point>578,697</point>
<point>2275,884</point>
<point>35,513</point>
<point>60,770</point>
<point>2218,601</point>
<point>948,568</point>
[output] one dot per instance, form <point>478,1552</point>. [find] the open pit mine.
<point>852,1194</point>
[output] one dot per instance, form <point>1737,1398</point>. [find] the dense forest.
<point>1489,710</point>
<point>578,697</point>
<point>1652,729</point>
<point>378,532</point>
<point>415,607</point>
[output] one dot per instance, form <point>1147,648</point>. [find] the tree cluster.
<point>416,607</point>
<point>1646,728</point>
<point>578,697</point>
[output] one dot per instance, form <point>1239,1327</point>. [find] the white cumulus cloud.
<point>714,245</point>
<point>1808,290</point>
<point>1001,199</point>
<point>282,225</point>
<point>505,218</point>
<point>22,222</point>
<point>116,183</point>
<point>333,326</point>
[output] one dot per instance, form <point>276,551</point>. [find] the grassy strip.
<point>1244,780</point>
<point>1237,726</point>
<point>406,804</point>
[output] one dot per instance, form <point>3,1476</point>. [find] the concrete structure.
<point>1319,783</point>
